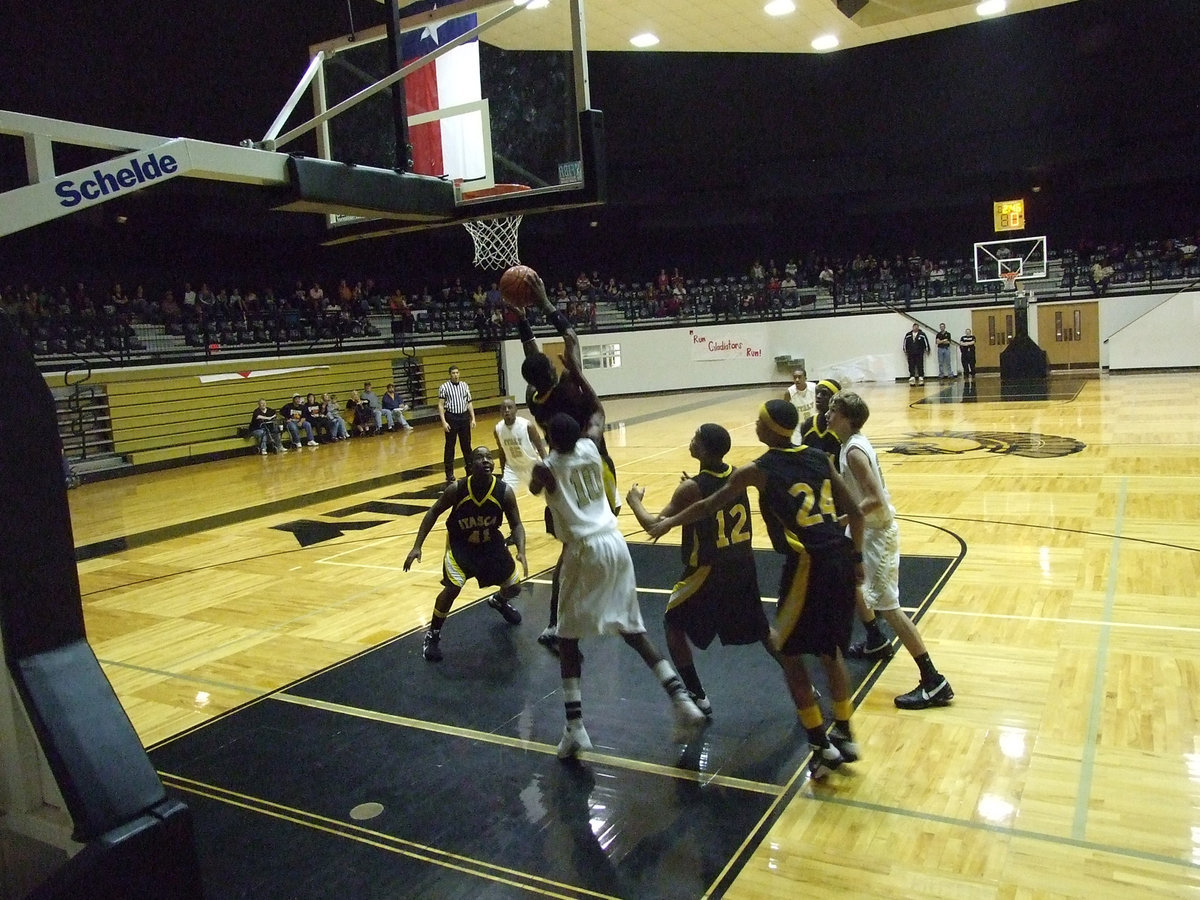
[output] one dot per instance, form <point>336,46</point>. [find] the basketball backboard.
<point>1026,257</point>
<point>481,113</point>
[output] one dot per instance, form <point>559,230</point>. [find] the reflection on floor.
<point>990,389</point>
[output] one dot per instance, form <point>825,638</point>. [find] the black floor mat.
<point>459,755</point>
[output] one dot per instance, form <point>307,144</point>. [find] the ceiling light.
<point>643,40</point>
<point>990,7</point>
<point>825,42</point>
<point>779,7</point>
<point>537,4</point>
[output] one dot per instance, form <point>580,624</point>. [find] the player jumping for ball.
<point>549,393</point>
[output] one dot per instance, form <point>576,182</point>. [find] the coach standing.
<point>458,418</point>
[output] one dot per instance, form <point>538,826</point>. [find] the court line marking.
<point>1058,620</point>
<point>1087,766</point>
<point>378,839</point>
<point>489,737</point>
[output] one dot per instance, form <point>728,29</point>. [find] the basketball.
<point>517,286</point>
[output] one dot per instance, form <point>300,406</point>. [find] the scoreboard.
<point>1009,215</point>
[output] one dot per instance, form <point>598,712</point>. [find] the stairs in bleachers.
<point>85,427</point>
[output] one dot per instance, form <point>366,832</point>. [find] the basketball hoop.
<point>1010,280</point>
<point>495,237</point>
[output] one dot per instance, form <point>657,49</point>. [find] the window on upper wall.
<point>601,356</point>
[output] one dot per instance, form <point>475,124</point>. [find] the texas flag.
<point>452,146</point>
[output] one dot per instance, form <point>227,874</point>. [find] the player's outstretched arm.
<point>515,528</point>
<point>542,479</point>
<point>443,503</point>
<point>535,438</point>
<point>686,493</point>
<point>742,478</point>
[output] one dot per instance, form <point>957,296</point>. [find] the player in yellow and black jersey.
<point>717,594</point>
<point>801,497</point>
<point>815,430</point>
<point>475,547</point>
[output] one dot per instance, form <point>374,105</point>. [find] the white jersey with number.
<point>805,402</point>
<point>519,452</point>
<point>597,585</point>
<point>580,504</point>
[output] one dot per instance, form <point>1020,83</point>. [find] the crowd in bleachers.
<point>106,319</point>
<point>1101,266</point>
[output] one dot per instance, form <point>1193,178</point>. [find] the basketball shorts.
<point>723,602</point>
<point>597,588</point>
<point>816,601</point>
<point>881,567</point>
<point>489,564</point>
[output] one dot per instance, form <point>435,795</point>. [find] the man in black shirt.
<point>263,425</point>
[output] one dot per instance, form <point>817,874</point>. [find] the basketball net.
<point>495,241</point>
<point>1010,280</point>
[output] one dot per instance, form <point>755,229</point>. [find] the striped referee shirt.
<point>455,397</point>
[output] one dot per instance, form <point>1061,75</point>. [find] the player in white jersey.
<point>802,395</point>
<point>598,589</point>
<point>520,446</point>
<point>880,589</point>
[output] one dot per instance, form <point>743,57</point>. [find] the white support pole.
<point>583,94</point>
<point>314,67</point>
<point>39,157</point>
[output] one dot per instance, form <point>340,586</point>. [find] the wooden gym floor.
<point>1068,765</point>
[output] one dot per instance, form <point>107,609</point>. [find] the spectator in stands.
<point>337,425</point>
<point>314,414</point>
<point>826,278</point>
<point>265,427</point>
<point>361,417</point>
<point>139,306</point>
<point>393,407</point>
<point>170,311</point>
<point>401,311</point>
<point>1187,256</point>
<point>787,288</point>
<point>1102,275</point>
<point>372,401</point>
<point>294,421</point>
<point>206,301</point>
<point>189,301</point>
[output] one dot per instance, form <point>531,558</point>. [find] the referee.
<point>458,418</point>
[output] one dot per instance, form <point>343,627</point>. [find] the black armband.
<point>559,321</point>
<point>524,329</point>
